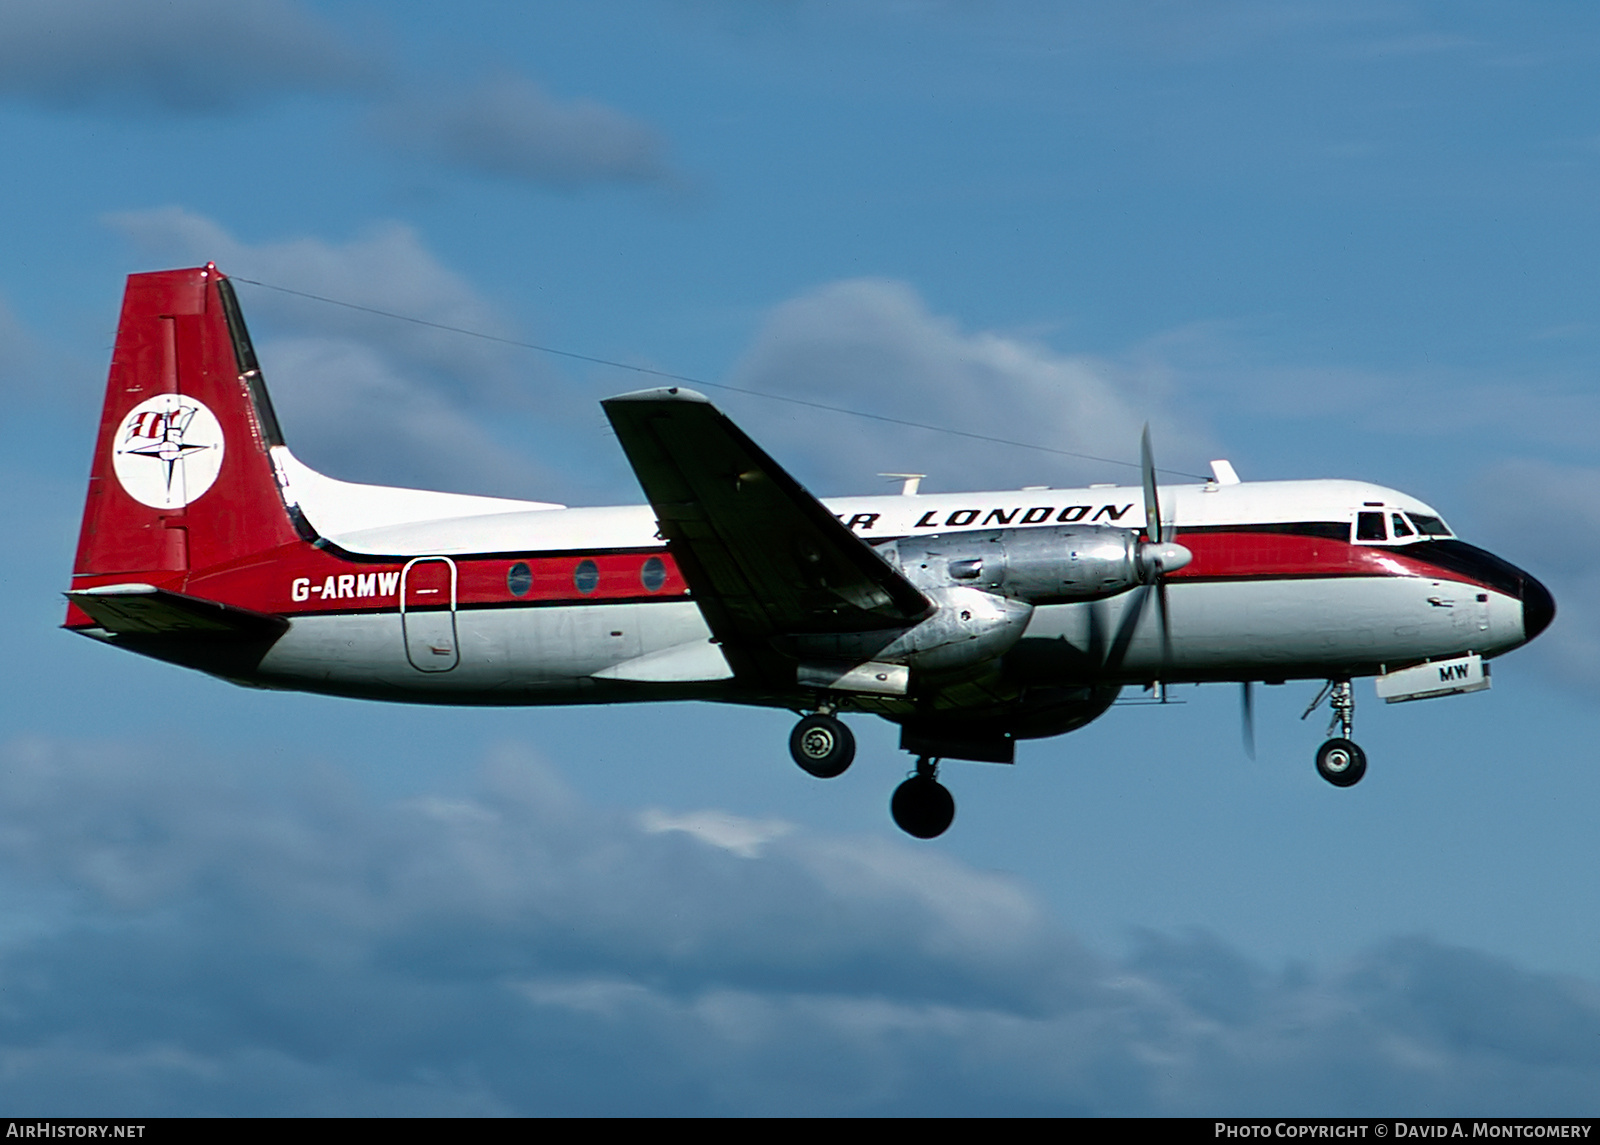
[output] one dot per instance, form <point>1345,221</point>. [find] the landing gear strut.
<point>822,745</point>
<point>921,805</point>
<point>1340,761</point>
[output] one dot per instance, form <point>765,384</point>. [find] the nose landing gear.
<point>921,805</point>
<point>1340,761</point>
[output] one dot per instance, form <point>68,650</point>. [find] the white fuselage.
<point>1256,603</point>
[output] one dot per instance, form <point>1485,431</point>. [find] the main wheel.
<point>922,807</point>
<point>822,746</point>
<point>1341,762</point>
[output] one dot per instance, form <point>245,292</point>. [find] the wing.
<point>763,557</point>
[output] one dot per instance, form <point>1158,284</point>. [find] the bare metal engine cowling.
<point>1048,565</point>
<point>969,626</point>
<point>984,586</point>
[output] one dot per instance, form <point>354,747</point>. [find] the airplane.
<point>972,620</point>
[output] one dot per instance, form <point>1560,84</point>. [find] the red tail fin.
<point>181,480</point>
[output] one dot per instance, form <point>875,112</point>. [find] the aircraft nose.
<point>1538,608</point>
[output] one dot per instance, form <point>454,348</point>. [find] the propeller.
<point>1159,554</point>
<point>1155,556</point>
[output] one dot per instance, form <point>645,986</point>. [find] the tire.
<point>822,746</point>
<point>1341,762</point>
<point>922,807</point>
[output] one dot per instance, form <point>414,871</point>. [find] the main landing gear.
<point>1340,761</point>
<point>823,746</point>
<point>922,806</point>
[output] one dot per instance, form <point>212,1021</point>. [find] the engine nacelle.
<point>969,627</point>
<point>984,586</point>
<point>1048,565</point>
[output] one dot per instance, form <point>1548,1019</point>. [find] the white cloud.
<point>1237,371</point>
<point>369,398</point>
<point>229,938</point>
<point>177,55</point>
<point>346,405</point>
<point>511,128</point>
<point>196,57</point>
<point>873,345</point>
<point>387,268</point>
<point>366,397</point>
<point>744,837</point>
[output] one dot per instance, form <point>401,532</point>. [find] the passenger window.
<point>1369,527</point>
<point>653,574</point>
<point>1401,529</point>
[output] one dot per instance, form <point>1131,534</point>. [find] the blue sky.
<point>1322,240</point>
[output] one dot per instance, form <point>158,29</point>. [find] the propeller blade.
<point>1247,718</point>
<point>1158,554</point>
<point>1123,636</point>
<point>1166,625</point>
<point>1147,470</point>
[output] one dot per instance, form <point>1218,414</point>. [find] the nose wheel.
<point>922,806</point>
<point>1341,762</point>
<point>822,745</point>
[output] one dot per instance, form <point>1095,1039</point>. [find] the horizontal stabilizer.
<point>144,610</point>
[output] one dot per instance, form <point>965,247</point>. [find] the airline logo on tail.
<point>168,451</point>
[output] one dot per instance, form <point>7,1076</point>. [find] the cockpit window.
<point>1430,526</point>
<point>1391,526</point>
